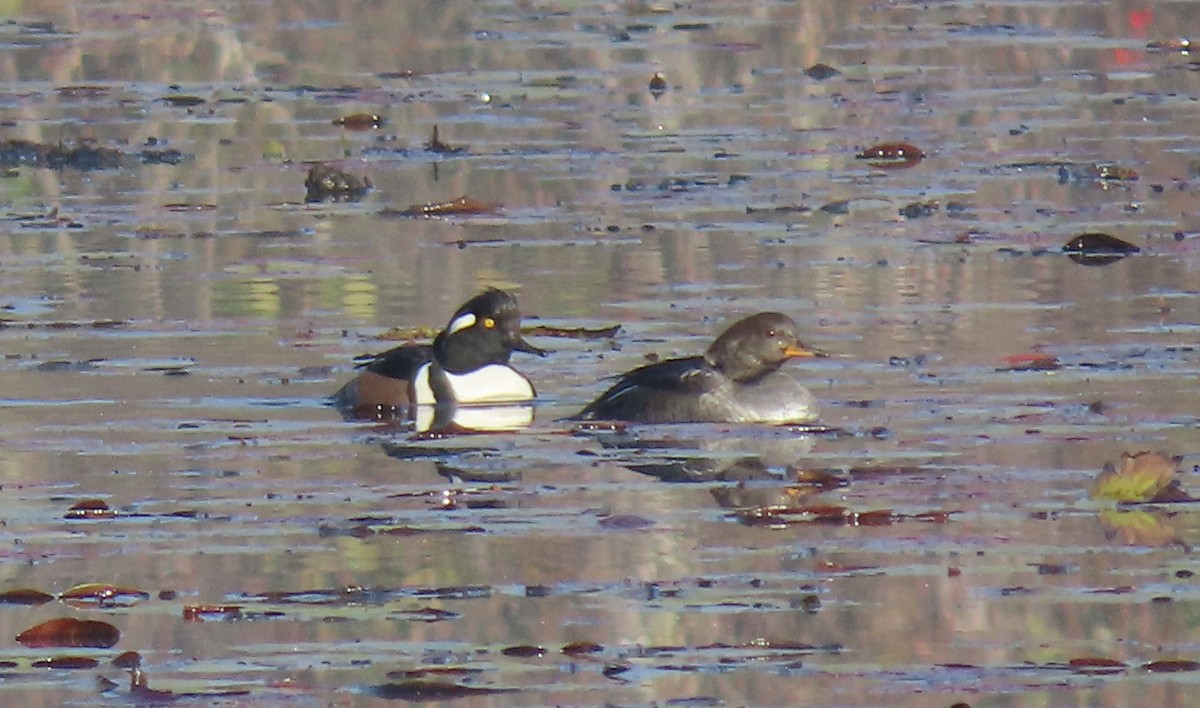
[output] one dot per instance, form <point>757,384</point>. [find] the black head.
<point>485,330</point>
<point>757,345</point>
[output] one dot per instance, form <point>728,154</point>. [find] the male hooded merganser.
<point>736,381</point>
<point>467,363</point>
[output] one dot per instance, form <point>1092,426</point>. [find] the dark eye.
<point>770,333</point>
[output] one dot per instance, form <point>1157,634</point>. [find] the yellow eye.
<point>488,323</point>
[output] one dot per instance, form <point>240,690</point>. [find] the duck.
<point>467,364</point>
<point>737,380</point>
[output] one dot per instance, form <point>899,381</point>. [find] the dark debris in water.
<point>428,690</point>
<point>325,183</point>
<point>1095,173</point>
<point>435,145</point>
<point>84,156</point>
<point>572,332</point>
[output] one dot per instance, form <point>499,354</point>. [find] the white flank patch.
<point>460,323</point>
<point>422,394</point>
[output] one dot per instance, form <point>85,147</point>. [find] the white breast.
<point>494,383</point>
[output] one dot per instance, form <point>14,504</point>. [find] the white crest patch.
<point>461,322</point>
<point>422,392</point>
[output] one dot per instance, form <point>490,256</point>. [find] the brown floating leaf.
<point>1096,665</point>
<point>127,660</point>
<point>1096,249</point>
<point>462,206</point>
<point>821,72</point>
<point>70,632</point>
<point>1031,362</point>
<point>431,691</point>
<point>359,121</point>
<point>892,155</point>
<point>524,651</point>
<point>582,648</point>
<point>67,662</point>
<point>1171,666</point>
<point>183,100</point>
<point>102,595</point>
<point>1140,477</point>
<point>90,509</point>
<point>572,332</point>
<point>25,597</point>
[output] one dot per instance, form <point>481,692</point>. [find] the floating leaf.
<point>581,648</point>
<point>70,632</point>
<point>359,121</point>
<point>25,597</point>
<point>462,206</point>
<point>1097,665</point>
<point>90,509</point>
<point>1031,362</point>
<point>1171,666</point>
<point>821,72</point>
<point>183,100</point>
<point>1140,477</point>
<point>1096,249</point>
<point>524,651</point>
<point>67,662</point>
<point>103,595</point>
<point>892,155</point>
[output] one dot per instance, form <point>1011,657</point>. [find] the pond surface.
<point>175,314</point>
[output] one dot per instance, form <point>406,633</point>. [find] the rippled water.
<point>172,327</point>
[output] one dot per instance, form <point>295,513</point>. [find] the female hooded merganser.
<point>736,381</point>
<point>467,363</point>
